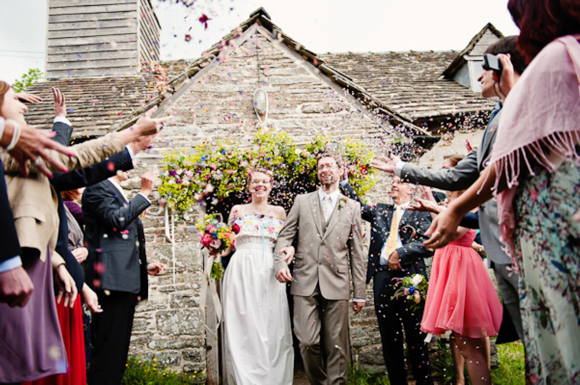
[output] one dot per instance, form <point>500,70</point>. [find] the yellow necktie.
<point>392,240</point>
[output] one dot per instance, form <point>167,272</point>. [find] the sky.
<point>319,25</point>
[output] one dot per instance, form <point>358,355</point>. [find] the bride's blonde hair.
<point>261,170</point>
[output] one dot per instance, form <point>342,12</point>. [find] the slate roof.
<point>410,82</point>
<point>94,104</point>
<point>399,87</point>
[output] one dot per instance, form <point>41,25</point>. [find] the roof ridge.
<point>260,17</point>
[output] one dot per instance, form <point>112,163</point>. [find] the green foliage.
<point>143,373</point>
<point>28,79</point>
<point>511,365</point>
<point>358,377</point>
<point>216,174</point>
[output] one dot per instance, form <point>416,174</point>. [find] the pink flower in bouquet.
<point>236,228</point>
<point>215,244</point>
<point>211,228</point>
<point>206,240</point>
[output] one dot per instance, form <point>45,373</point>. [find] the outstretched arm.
<point>444,227</point>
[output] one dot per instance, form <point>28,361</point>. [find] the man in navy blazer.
<point>406,258</point>
<point>117,270</point>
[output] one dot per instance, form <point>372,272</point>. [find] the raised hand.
<point>59,103</point>
<point>425,205</point>
<point>507,79</point>
<point>443,229</point>
<point>32,146</point>
<point>28,98</point>
<point>386,164</point>
<point>148,182</point>
<point>148,126</point>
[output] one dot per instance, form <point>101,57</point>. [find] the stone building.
<point>374,97</point>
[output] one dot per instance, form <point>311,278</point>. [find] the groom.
<point>328,227</point>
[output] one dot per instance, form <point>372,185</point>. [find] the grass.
<point>144,373</point>
<point>510,371</point>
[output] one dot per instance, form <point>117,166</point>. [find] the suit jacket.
<point>116,240</point>
<point>77,179</point>
<point>323,256</point>
<point>412,227</point>
<point>463,175</point>
<point>34,202</point>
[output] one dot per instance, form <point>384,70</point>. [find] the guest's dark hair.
<point>542,21</point>
<point>509,45</point>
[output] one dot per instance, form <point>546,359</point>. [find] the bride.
<point>256,317</point>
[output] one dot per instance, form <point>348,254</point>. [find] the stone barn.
<point>102,57</point>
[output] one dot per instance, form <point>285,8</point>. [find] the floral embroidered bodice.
<point>258,225</point>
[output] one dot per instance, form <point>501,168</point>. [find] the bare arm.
<point>444,227</point>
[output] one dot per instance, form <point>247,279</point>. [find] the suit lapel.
<point>315,209</point>
<point>334,217</point>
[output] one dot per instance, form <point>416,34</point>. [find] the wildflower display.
<point>215,175</point>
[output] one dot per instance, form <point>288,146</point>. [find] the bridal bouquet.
<point>413,288</point>
<point>216,237</point>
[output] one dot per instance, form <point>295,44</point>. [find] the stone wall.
<point>217,105</point>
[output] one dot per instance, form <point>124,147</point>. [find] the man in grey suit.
<point>328,228</point>
<point>466,172</point>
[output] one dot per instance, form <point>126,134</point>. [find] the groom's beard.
<point>331,182</point>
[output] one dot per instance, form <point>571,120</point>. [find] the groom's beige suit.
<point>321,284</point>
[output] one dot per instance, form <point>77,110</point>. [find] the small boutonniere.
<point>342,203</point>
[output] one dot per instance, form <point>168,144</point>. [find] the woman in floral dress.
<point>535,170</point>
<point>256,317</point>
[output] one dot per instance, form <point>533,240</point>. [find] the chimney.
<point>98,38</point>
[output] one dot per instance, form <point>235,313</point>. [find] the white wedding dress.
<point>258,334</point>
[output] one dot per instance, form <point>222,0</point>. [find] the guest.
<point>117,270</point>
<point>15,284</point>
<point>466,172</point>
<point>33,203</point>
<point>396,251</point>
<point>461,298</point>
<point>71,199</point>
<point>534,172</point>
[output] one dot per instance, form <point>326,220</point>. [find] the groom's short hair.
<point>336,158</point>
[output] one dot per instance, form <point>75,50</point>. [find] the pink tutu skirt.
<point>461,296</point>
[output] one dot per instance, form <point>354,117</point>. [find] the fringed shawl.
<point>540,122</point>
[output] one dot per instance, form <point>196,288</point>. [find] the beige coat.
<point>323,256</point>
<point>33,200</point>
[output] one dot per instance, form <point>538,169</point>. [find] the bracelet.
<point>15,134</point>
